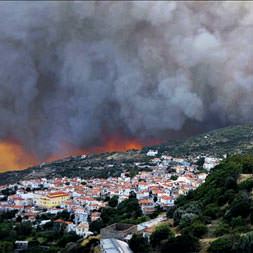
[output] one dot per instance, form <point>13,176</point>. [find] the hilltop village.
<point>41,201</point>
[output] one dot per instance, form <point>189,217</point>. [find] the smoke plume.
<point>77,72</point>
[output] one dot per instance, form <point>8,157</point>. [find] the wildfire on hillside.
<point>13,156</point>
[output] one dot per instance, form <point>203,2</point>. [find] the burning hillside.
<point>71,71</point>
<point>13,156</point>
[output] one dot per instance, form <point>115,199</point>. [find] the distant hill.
<point>235,139</point>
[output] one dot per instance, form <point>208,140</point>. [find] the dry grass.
<point>204,244</point>
<point>244,177</point>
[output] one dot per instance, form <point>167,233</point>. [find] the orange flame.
<point>112,144</point>
<point>13,157</point>
<point>116,144</point>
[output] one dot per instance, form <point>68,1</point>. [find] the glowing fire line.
<point>14,157</point>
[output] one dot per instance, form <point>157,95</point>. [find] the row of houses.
<point>85,198</point>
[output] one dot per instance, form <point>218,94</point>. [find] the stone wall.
<point>118,231</point>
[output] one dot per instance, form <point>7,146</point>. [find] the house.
<point>122,198</point>
<point>80,215</point>
<point>52,199</point>
<point>17,200</point>
<point>143,186</point>
<point>166,200</point>
<point>71,227</point>
<point>82,229</point>
<point>95,216</point>
<point>148,231</point>
<point>152,152</point>
<point>210,162</point>
<point>147,206</point>
<point>142,194</point>
<point>146,202</point>
<point>21,245</point>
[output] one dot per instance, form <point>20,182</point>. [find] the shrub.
<point>6,247</point>
<point>212,211</point>
<point>197,229</point>
<point>139,244</point>
<point>68,237</point>
<point>228,196</point>
<point>161,232</point>
<point>246,185</point>
<point>230,182</point>
<point>221,229</point>
<point>247,164</point>
<point>174,177</point>
<point>170,211</point>
<point>237,222</point>
<point>182,244</point>
<point>188,212</point>
<point>239,207</point>
<point>221,245</point>
<point>113,202</point>
<point>96,225</point>
<point>245,243</point>
<point>24,229</point>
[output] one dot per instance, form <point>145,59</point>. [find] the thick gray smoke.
<point>74,72</point>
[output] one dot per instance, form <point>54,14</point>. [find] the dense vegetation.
<point>220,210</point>
<point>164,240</point>
<point>51,236</point>
<point>232,140</point>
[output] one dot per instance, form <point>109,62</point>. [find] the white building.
<point>82,229</point>
<point>210,162</point>
<point>152,152</point>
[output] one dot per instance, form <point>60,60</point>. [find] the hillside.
<point>217,217</point>
<point>220,211</point>
<point>236,139</point>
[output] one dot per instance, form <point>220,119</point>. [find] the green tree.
<point>96,225</point>
<point>174,177</point>
<point>68,237</point>
<point>113,202</point>
<point>239,207</point>
<point>245,243</point>
<point>181,244</point>
<point>246,184</point>
<point>24,229</point>
<point>221,245</point>
<point>197,229</point>
<point>237,222</point>
<point>170,211</point>
<point>129,208</point>
<point>221,229</point>
<point>200,162</point>
<point>6,247</point>
<point>5,230</point>
<point>108,215</point>
<point>139,244</point>
<point>161,232</point>
<point>212,210</point>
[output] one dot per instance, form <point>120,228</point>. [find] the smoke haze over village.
<point>78,73</point>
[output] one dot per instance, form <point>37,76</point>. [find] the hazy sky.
<point>75,72</point>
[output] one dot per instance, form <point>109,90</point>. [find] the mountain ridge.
<point>232,140</point>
